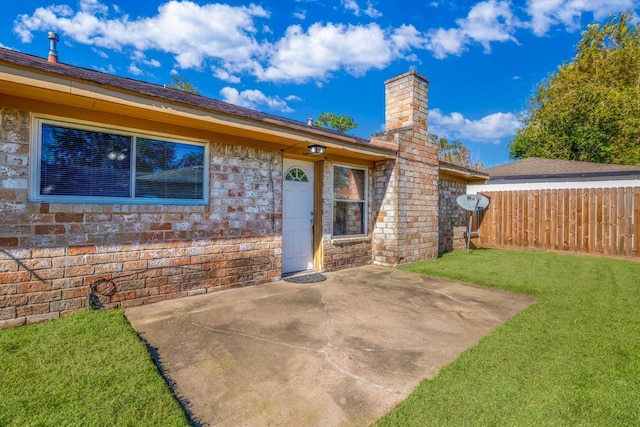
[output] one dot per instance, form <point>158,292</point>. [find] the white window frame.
<point>365,201</point>
<point>36,157</point>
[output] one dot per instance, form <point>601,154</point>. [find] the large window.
<point>88,164</point>
<point>349,201</point>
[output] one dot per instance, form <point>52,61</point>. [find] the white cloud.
<point>109,69</point>
<point>233,42</point>
<point>192,33</point>
<point>446,42</point>
<point>139,56</point>
<point>488,129</point>
<point>351,5</point>
<point>93,7</point>
<point>100,53</point>
<point>488,21</point>
<point>370,11</point>
<point>322,49</point>
<point>133,69</point>
<point>225,76</point>
<point>253,99</point>
<point>547,13</point>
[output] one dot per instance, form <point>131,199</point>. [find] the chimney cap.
<point>53,36</point>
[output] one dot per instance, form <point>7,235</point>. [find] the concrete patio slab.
<point>340,352</point>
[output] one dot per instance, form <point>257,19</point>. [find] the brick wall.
<point>51,253</point>
<point>412,187</point>
<point>452,218</point>
<point>385,212</point>
<point>342,252</point>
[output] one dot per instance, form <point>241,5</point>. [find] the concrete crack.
<point>253,337</point>
<point>340,369</point>
<point>485,311</point>
<point>323,351</point>
<point>333,363</point>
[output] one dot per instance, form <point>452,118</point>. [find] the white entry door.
<point>297,216</point>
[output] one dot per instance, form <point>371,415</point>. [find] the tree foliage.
<point>340,123</point>
<point>455,153</point>
<point>183,84</point>
<point>589,110</point>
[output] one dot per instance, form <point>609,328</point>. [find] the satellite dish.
<point>473,202</point>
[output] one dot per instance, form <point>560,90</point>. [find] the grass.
<point>87,369</point>
<point>571,359</point>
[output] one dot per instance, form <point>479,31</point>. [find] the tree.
<point>154,155</point>
<point>341,123</point>
<point>590,109</point>
<point>455,153</point>
<point>181,83</point>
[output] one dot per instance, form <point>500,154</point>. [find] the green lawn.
<point>571,359</point>
<point>87,369</point>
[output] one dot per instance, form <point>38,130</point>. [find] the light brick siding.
<point>453,219</point>
<point>51,253</point>
<point>385,213</point>
<point>56,258</point>
<point>412,188</point>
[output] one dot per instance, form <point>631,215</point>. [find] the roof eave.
<point>38,84</point>
<point>470,175</point>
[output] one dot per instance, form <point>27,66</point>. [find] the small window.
<point>296,174</point>
<point>85,164</point>
<point>349,201</point>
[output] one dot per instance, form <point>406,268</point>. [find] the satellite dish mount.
<point>472,203</point>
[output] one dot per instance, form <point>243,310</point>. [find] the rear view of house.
<point>116,192</point>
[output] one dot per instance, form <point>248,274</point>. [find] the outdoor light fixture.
<point>316,149</point>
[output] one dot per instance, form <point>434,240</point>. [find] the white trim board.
<point>478,188</point>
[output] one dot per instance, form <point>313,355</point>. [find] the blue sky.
<point>298,58</point>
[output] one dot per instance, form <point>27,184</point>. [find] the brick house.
<point>116,192</point>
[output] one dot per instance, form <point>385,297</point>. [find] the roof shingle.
<point>536,168</point>
<point>156,91</point>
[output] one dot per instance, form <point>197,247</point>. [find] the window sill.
<point>350,239</point>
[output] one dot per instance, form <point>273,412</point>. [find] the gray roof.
<point>539,169</point>
<point>189,174</point>
<point>156,91</point>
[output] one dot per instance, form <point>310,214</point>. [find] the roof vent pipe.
<point>310,121</point>
<point>53,52</point>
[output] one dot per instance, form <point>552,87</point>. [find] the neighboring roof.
<point>169,94</point>
<point>471,175</point>
<point>189,175</point>
<point>539,169</point>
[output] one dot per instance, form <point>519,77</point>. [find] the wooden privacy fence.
<point>601,221</point>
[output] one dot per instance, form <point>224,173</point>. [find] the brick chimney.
<point>406,100</point>
<point>53,51</point>
<point>406,190</point>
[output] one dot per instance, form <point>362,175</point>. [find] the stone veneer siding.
<point>51,254</point>
<point>452,218</point>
